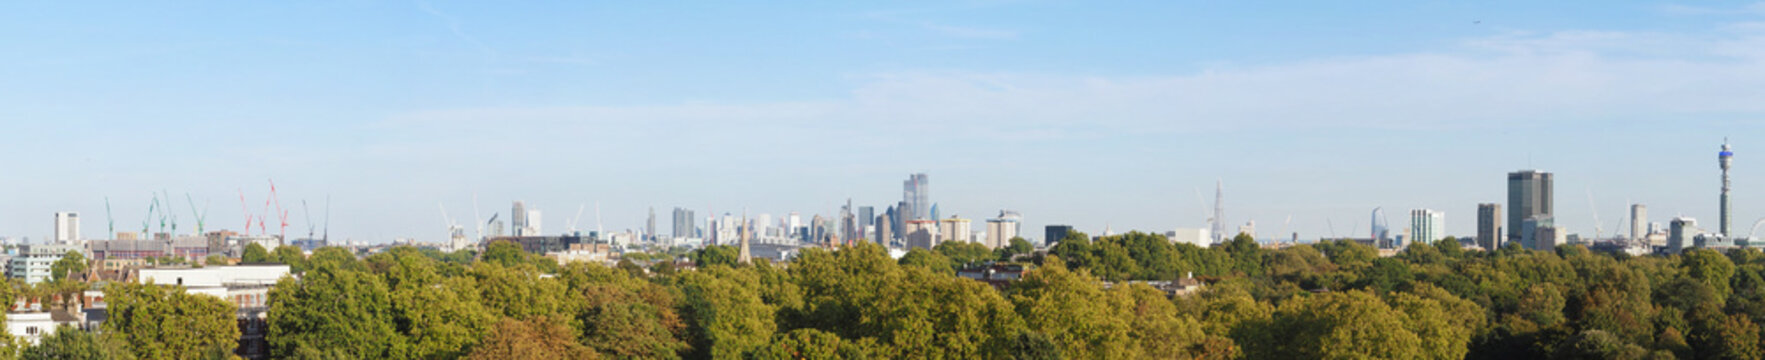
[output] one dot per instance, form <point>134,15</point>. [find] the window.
<point>31,330</point>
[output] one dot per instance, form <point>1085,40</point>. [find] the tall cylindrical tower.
<point>1727,159</point>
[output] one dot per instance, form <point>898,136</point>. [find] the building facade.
<point>67,228</point>
<point>1489,229</point>
<point>1529,196</point>
<point>1427,226</point>
<point>1054,233</point>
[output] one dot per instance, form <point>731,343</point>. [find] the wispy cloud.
<point>970,32</point>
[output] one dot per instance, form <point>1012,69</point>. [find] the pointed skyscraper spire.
<point>744,256</point>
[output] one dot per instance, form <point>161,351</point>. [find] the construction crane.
<point>201,216</point>
<point>327,219</point>
<point>309,219</point>
<point>245,209</point>
<point>477,218</point>
<point>1598,228</point>
<point>574,221</point>
<point>281,214</point>
<point>147,223</point>
<point>453,228</point>
<point>169,212</point>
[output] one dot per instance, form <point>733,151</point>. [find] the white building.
<point>954,229</point>
<point>1002,229</point>
<point>34,261</point>
<point>1427,226</point>
<point>215,276</point>
<point>1198,237</point>
<point>67,228</point>
<point>33,326</point>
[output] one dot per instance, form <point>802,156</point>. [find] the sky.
<point>1119,115</point>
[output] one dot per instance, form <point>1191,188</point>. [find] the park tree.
<point>1073,309</point>
<point>255,253</point>
<point>930,260</point>
<point>1336,325</point>
<point>728,317</point>
<point>1709,267</point>
<point>72,263</point>
<point>717,255</point>
<point>334,309</point>
<point>69,343</point>
<point>538,338</point>
<point>165,322</point>
<point>291,256</point>
<point>963,253</point>
<point>811,344</point>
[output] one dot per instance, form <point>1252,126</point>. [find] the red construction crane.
<point>245,210</point>
<point>281,214</point>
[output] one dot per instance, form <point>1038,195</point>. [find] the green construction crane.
<point>200,216</point>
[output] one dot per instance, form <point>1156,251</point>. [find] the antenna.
<point>477,218</point>
<point>108,219</point>
<point>327,219</point>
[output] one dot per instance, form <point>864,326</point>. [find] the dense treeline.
<point>1328,300</point>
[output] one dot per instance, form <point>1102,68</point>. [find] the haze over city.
<point>1065,112</point>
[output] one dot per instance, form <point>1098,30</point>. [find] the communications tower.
<point>1727,159</point>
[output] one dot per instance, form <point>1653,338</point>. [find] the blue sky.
<point>1082,113</point>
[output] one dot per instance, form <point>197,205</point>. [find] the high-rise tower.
<point>1219,212</point>
<point>1529,197</point>
<point>916,195</point>
<point>1727,158</point>
<point>518,219</point>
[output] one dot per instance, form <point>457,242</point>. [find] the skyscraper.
<point>1639,219</point>
<point>916,194</point>
<point>1427,226</point>
<point>518,219</point>
<point>866,216</point>
<point>67,227</point>
<point>1054,233</point>
<point>1726,157</point>
<point>684,225</point>
<point>649,229</point>
<point>1489,234</point>
<point>1529,196</point>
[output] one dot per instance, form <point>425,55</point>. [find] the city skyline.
<point>1056,117</point>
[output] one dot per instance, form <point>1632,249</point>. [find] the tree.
<point>811,344</point>
<point>1075,311</point>
<point>928,259</point>
<point>716,255</point>
<point>1710,267</point>
<point>727,316</point>
<point>333,308</point>
<point>962,253</point>
<point>291,256</point>
<point>1337,325</point>
<point>216,259</point>
<point>68,343</point>
<point>255,253</point>
<point>1017,246</point>
<point>1030,345</point>
<point>538,338</point>
<point>72,263</point>
<point>164,322</point>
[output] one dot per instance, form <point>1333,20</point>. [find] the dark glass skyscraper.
<point>1529,197</point>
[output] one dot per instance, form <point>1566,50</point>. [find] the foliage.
<point>537,338</point>
<point>72,263</point>
<point>68,343</point>
<point>164,322</point>
<point>291,256</point>
<point>255,253</point>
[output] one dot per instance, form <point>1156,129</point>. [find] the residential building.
<point>922,234</point>
<point>1427,226</point>
<point>33,262</point>
<point>1001,230</point>
<point>1680,237</point>
<point>954,229</point>
<point>1201,237</point>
